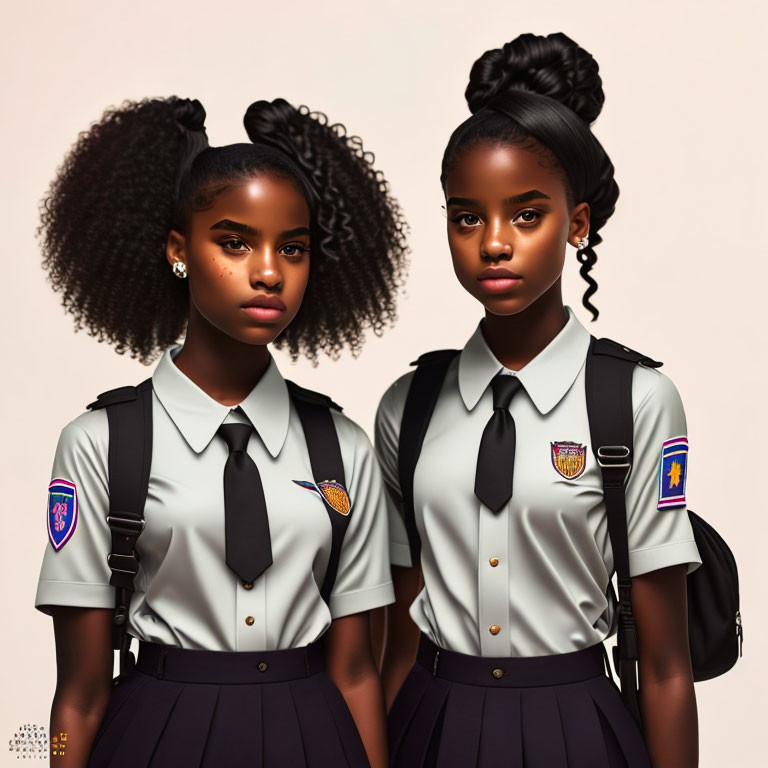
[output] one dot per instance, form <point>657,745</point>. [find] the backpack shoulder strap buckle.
<point>615,463</point>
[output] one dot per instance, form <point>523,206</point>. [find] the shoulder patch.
<point>62,512</point>
<point>672,472</point>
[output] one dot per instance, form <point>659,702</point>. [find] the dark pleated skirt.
<point>216,709</point>
<point>459,711</point>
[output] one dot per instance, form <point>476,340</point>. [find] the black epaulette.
<point>310,396</point>
<point>113,397</point>
<point>435,356</point>
<point>613,348</point>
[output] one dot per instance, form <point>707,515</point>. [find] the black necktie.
<point>249,548</point>
<point>496,457</point>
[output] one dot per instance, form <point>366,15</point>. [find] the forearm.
<point>398,659</point>
<point>402,635</point>
<point>74,727</point>
<point>670,721</point>
<point>365,701</point>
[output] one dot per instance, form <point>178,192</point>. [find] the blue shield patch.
<point>672,472</point>
<point>62,512</point>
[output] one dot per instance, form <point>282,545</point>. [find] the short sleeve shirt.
<point>186,595</point>
<point>533,579</point>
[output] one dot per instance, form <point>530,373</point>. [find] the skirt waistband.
<point>511,672</point>
<point>229,667</point>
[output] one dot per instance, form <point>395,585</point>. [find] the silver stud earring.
<point>583,243</point>
<point>179,269</point>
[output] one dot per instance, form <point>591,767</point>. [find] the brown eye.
<point>293,250</point>
<point>238,246</point>
<point>467,219</point>
<point>529,216</point>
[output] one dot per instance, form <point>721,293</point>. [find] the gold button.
<point>494,629</point>
<point>249,620</point>
<point>247,585</point>
<point>262,666</point>
<point>494,561</point>
<point>497,673</point>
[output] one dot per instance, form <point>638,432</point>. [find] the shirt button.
<point>249,620</point>
<point>247,585</point>
<point>494,629</point>
<point>497,673</point>
<point>494,561</point>
<point>262,666</point>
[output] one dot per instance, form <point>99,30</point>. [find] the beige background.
<point>681,271</point>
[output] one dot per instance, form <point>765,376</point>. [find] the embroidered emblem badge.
<point>334,494</point>
<point>672,467</point>
<point>62,512</point>
<point>568,458</point>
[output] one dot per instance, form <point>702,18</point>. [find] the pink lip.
<point>264,307</point>
<point>499,284</point>
<point>263,313</point>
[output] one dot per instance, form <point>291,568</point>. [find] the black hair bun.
<point>271,121</point>
<point>190,114</point>
<point>551,65</point>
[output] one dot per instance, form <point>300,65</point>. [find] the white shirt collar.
<point>198,416</point>
<point>546,378</point>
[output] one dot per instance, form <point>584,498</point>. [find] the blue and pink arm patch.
<point>62,512</point>
<point>672,473</point>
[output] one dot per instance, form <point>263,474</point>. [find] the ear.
<point>579,224</point>
<point>175,248</point>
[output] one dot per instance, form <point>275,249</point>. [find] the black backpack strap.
<point>426,384</point>
<point>314,411</point>
<point>129,413</point>
<point>608,378</point>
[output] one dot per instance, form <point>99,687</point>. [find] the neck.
<point>224,368</point>
<point>516,339</point>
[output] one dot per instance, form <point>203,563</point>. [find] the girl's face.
<point>247,258</point>
<point>508,224</point>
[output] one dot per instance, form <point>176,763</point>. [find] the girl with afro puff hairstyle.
<point>258,543</point>
<point>499,529</point>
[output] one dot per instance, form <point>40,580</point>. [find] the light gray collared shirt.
<point>186,595</point>
<point>533,579</point>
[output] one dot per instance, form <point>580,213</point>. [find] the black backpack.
<point>714,622</point>
<point>129,413</point>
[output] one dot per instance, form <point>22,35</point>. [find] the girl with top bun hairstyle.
<point>502,558</point>
<point>230,520</point>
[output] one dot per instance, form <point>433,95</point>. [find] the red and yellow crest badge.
<point>334,494</point>
<point>568,458</point>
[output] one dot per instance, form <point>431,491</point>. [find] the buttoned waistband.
<point>229,667</point>
<point>511,672</point>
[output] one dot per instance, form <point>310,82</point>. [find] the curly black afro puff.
<point>144,168</point>
<point>359,244</point>
<point>543,92</point>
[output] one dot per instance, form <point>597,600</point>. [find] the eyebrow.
<point>244,229</point>
<point>523,197</point>
<point>295,232</point>
<point>235,226</point>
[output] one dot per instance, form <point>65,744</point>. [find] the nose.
<point>264,270</point>
<point>497,240</point>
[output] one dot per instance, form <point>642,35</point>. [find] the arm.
<point>350,664</point>
<point>83,681</point>
<point>378,633</point>
<point>667,698</point>
<point>402,635</point>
